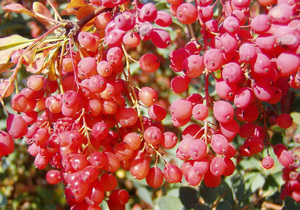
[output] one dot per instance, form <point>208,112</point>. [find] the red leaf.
<point>17,8</point>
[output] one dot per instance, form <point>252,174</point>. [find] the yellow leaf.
<point>10,44</point>
<point>76,4</point>
<point>52,71</point>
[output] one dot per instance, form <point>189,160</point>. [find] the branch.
<point>86,19</point>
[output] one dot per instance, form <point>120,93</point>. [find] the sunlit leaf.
<point>257,182</point>
<point>168,203</point>
<point>296,117</point>
<point>41,10</point>
<point>50,56</point>
<point>52,70</point>
<point>12,41</point>
<point>84,11</point>
<point>29,55</point>
<point>5,66</point>
<point>144,194</point>
<point>76,4</point>
<point>89,25</point>
<point>68,11</point>
<point>17,8</point>
<point>36,66</point>
<point>10,44</point>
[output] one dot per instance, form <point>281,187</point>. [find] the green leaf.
<point>3,200</point>
<point>276,128</point>
<point>168,203</point>
<point>188,197</point>
<point>276,138</point>
<point>257,182</point>
<point>202,207</point>
<point>296,117</point>
<point>224,205</point>
<point>290,204</point>
<point>238,185</point>
<point>104,205</point>
<point>161,5</point>
<point>10,44</point>
<point>225,191</point>
<point>144,194</point>
<point>207,193</point>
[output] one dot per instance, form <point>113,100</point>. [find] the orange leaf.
<point>84,11</point>
<point>42,11</point>
<point>5,66</point>
<point>89,25</point>
<point>69,11</point>
<point>76,4</point>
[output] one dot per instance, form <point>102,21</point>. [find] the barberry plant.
<point>174,91</point>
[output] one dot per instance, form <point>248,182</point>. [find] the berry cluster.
<point>290,175</point>
<point>87,118</point>
<point>252,64</point>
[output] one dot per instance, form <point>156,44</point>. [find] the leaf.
<point>225,191</point>
<point>276,138</point>
<point>76,4</point>
<point>144,194</point>
<point>202,207</point>
<point>17,8</point>
<point>42,11</point>
<point>52,70</point>
<point>168,203</point>
<point>68,11</point>
<point>238,185</point>
<point>207,193</point>
<point>3,200</point>
<point>188,197</point>
<point>89,25</point>
<point>12,41</point>
<point>104,205</point>
<point>296,117</point>
<point>224,205</point>
<point>257,182</point>
<point>10,44</point>
<point>36,66</point>
<point>50,56</point>
<point>290,204</point>
<point>29,55</point>
<point>84,11</point>
<point>5,66</point>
